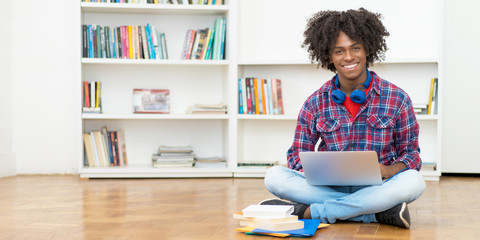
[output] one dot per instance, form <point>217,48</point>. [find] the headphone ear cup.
<point>358,96</point>
<point>338,96</point>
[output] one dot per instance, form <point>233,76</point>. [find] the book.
<point>309,229</point>
<point>89,152</point>
<point>288,218</point>
<point>257,210</point>
<point>183,149</point>
<point>121,147</point>
<point>430,96</point>
<point>151,100</point>
<point>210,162</point>
<point>278,226</point>
<point>279,96</point>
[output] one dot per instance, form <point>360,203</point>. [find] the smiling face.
<point>350,60</point>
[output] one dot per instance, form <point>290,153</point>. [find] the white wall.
<point>7,156</point>
<point>41,127</point>
<point>46,68</point>
<point>461,119</point>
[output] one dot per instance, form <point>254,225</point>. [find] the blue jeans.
<point>354,203</point>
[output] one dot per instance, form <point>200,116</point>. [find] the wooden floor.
<point>66,207</point>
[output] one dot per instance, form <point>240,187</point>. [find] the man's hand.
<point>388,171</point>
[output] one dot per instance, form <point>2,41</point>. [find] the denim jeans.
<point>354,203</point>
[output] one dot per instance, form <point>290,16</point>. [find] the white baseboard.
<point>9,164</point>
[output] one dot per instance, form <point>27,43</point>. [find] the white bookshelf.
<point>271,53</point>
<point>275,52</point>
<point>189,82</point>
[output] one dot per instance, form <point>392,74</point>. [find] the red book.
<point>191,42</point>
<point>86,92</point>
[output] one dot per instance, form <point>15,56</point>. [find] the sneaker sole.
<point>405,222</point>
<point>283,200</point>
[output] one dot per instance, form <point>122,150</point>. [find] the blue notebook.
<point>309,229</point>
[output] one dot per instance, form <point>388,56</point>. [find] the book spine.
<point>155,41</point>
<point>244,97</point>
<point>164,46</point>
<point>279,96</point>
<point>222,38</point>
<point>269,93</point>
<point>208,54</point>
<point>85,41</point>
<point>86,94</point>
<point>205,43</point>
<point>92,95</point>
<point>240,100</point>
<point>146,55</point>
<point>90,41</point>
<point>264,99</point>
<point>99,41</point>
<point>190,43</point>
<point>216,42</point>
<point>130,42</point>
<point>256,96</point>
<point>95,149</point>
<point>274,96</point>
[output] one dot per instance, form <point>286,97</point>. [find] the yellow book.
<point>205,44</point>
<point>255,92</point>
<point>130,42</point>
<point>89,149</point>
<point>430,96</point>
<point>97,94</point>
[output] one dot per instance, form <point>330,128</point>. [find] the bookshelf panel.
<point>174,33</point>
<point>143,137</point>
<point>188,85</point>
<point>264,141</point>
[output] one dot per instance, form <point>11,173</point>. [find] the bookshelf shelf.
<point>266,117</point>
<point>170,62</point>
<point>154,116</point>
<point>147,171</point>
<point>124,8</point>
<point>307,62</point>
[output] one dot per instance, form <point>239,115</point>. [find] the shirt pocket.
<point>330,132</point>
<point>380,131</point>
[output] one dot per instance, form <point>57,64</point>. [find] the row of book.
<point>127,42</point>
<point>92,97</point>
<point>260,96</point>
<point>208,43</point>
<point>105,148</point>
<point>183,156</point>
<point>184,2</point>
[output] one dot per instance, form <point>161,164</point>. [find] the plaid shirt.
<point>385,123</point>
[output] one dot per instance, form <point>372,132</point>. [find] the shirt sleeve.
<point>406,136</point>
<point>305,138</point>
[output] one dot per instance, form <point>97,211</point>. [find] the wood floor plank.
<point>67,207</point>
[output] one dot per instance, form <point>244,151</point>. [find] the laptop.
<point>342,168</point>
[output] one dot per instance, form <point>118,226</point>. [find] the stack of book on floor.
<point>207,109</point>
<point>210,162</point>
<point>173,156</point>
<point>275,220</point>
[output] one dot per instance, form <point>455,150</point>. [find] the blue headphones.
<point>357,95</point>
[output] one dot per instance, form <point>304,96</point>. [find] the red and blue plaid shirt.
<point>385,123</point>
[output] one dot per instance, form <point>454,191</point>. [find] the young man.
<point>355,111</point>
